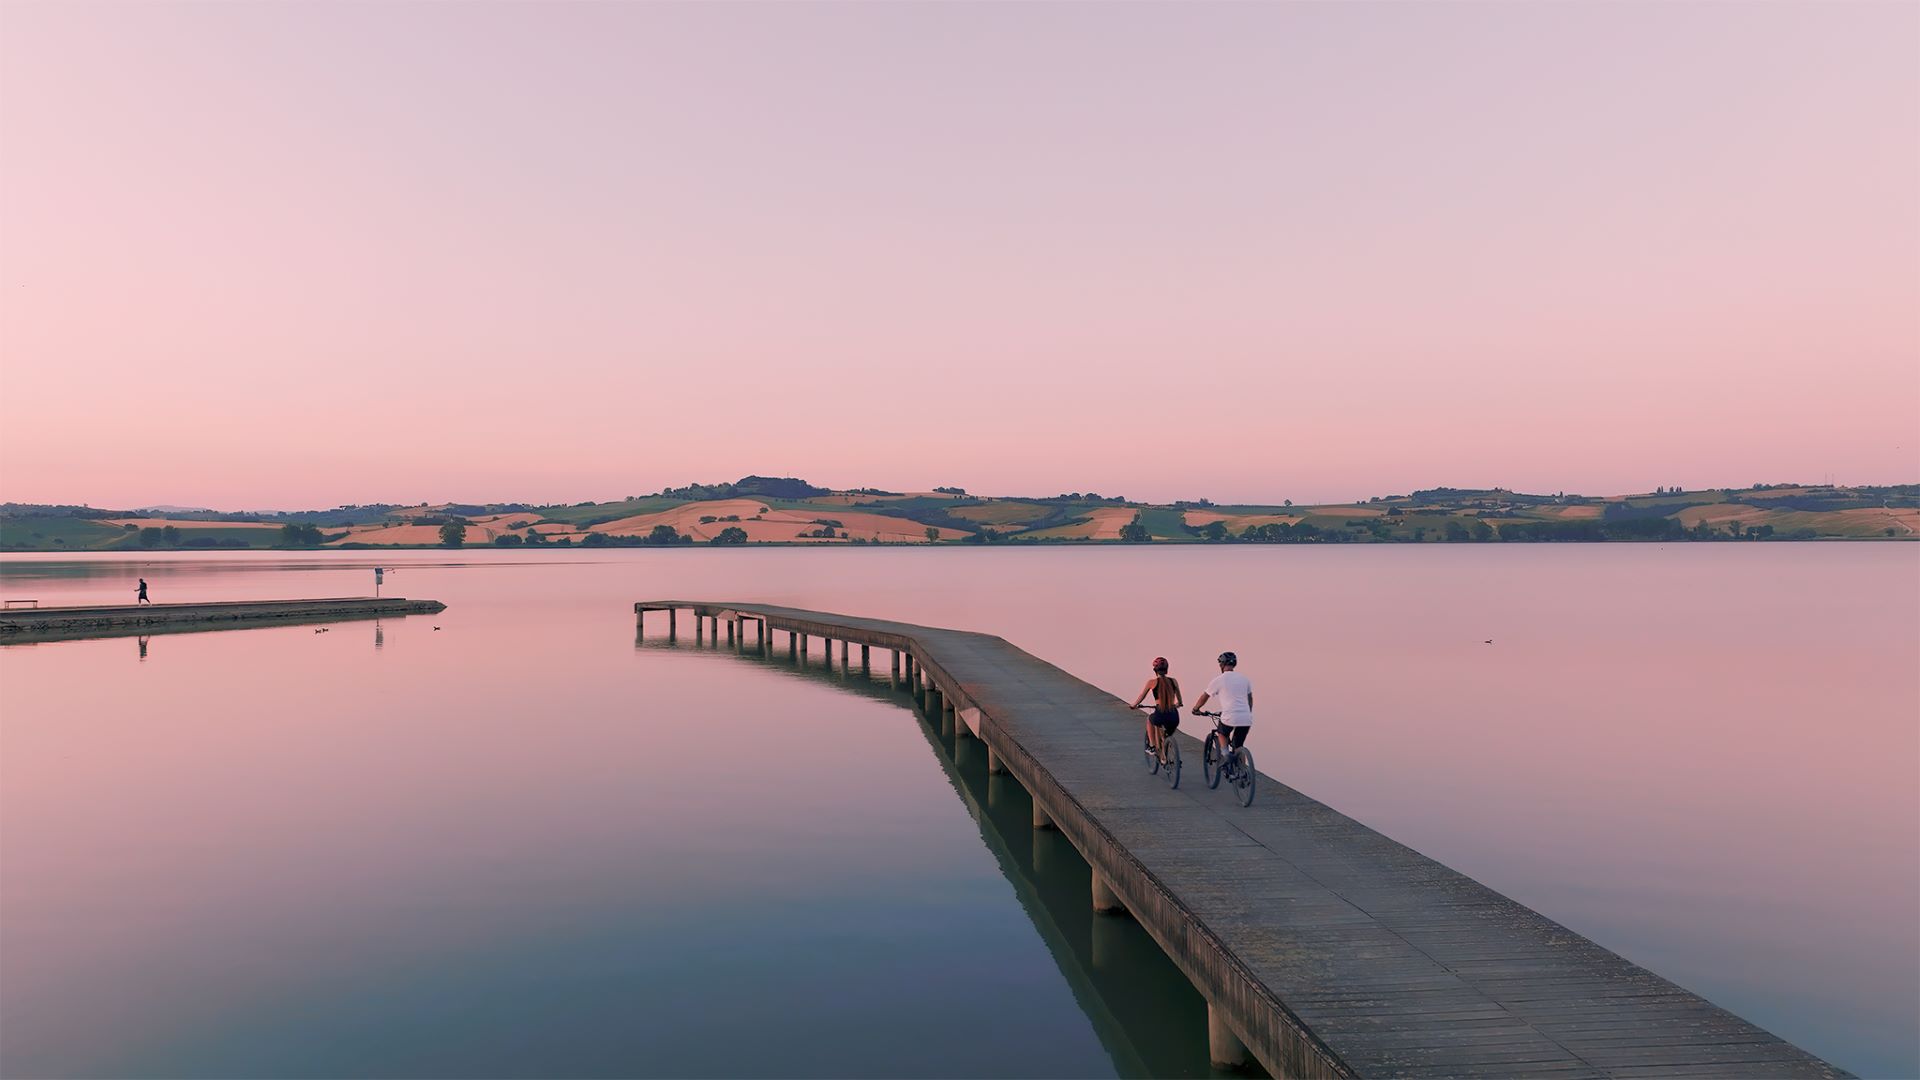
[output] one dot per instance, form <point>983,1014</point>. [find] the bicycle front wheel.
<point>1210,761</point>
<point>1172,765</point>
<point>1243,783</point>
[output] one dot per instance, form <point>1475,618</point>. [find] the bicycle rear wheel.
<point>1153,759</point>
<point>1172,764</point>
<point>1243,782</point>
<point>1210,761</point>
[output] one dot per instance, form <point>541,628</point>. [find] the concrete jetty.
<point>22,625</point>
<point>1321,947</point>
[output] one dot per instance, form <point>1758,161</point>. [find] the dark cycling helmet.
<point>1160,663</point>
<point>1228,659</point>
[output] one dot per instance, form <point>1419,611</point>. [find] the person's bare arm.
<point>1178,699</point>
<point>1142,696</point>
<point>1201,704</point>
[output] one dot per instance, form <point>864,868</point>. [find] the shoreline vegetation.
<point>785,511</point>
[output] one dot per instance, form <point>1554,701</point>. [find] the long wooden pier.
<point>22,625</point>
<point>1322,948</point>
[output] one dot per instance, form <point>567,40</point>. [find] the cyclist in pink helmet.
<point>1165,718</point>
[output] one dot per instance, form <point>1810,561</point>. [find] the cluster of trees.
<point>60,510</point>
<point>170,536</point>
<point>1639,528</point>
<point>1279,532</point>
<point>530,539</point>
<point>765,487</point>
<point>661,536</point>
<point>303,534</point>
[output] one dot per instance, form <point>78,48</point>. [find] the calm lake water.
<point>524,843</point>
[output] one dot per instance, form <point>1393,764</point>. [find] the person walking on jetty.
<point>1233,693</point>
<point>1165,717</point>
<point>142,596</point>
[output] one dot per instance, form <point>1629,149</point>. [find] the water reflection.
<point>1615,761</point>
<point>1147,1015</point>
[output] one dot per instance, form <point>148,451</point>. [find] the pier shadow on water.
<point>1148,1017</point>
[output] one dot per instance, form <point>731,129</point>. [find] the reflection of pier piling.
<point>1320,947</point>
<point>61,623</point>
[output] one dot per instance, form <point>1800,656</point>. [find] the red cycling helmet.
<point>1160,664</point>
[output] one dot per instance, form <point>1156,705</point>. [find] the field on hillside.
<point>44,533</point>
<point>766,521</point>
<point>1101,524</point>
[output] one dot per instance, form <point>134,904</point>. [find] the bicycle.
<point>1217,764</point>
<point>1166,763</point>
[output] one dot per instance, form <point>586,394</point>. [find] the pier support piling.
<point>1041,820</point>
<point>994,763</point>
<point>1224,1048</point>
<point>1105,901</point>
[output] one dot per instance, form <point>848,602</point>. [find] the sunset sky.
<point>282,255</point>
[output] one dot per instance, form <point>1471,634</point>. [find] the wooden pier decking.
<point>24,625</point>
<point>1323,948</point>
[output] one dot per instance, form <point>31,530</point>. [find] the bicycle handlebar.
<point>1215,715</point>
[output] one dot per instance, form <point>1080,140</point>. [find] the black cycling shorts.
<point>1236,736</point>
<point>1166,718</point>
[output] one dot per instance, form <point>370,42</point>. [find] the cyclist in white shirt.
<point>1233,693</point>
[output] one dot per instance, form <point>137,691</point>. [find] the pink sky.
<point>280,255</point>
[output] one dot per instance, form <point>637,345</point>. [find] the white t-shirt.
<point>1232,693</point>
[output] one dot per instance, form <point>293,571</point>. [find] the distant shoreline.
<point>548,549</point>
<point>759,511</point>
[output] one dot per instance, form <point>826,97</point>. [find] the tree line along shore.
<point>787,511</point>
